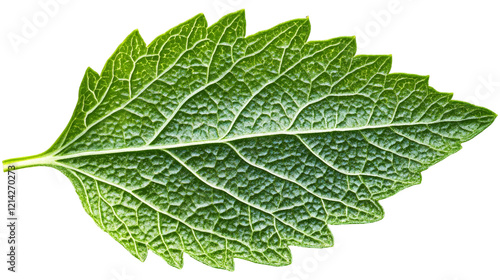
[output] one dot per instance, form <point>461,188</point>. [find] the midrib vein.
<point>242,137</point>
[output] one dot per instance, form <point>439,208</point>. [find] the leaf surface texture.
<point>221,145</point>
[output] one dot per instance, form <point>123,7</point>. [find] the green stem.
<point>23,162</point>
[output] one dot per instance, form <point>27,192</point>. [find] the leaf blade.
<point>224,146</point>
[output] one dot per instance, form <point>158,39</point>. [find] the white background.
<point>447,228</point>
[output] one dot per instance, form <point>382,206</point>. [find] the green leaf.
<point>222,146</point>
